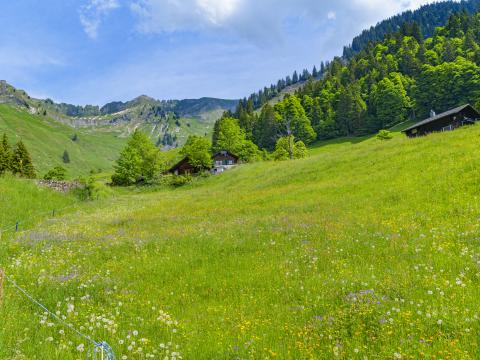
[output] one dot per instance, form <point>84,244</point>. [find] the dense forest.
<point>400,78</point>
<point>428,17</point>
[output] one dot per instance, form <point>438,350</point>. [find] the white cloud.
<point>260,21</point>
<point>92,14</point>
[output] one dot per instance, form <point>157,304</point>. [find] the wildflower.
<point>81,347</point>
<point>439,322</point>
<point>135,332</point>
<point>397,356</point>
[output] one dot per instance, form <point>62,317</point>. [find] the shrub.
<point>384,135</point>
<point>92,189</point>
<point>57,173</point>
<point>180,180</point>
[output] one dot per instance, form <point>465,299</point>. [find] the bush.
<point>384,135</point>
<point>180,180</point>
<point>57,173</point>
<point>92,189</point>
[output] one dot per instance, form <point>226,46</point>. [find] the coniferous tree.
<point>66,157</point>
<point>21,164</point>
<point>5,155</point>
<point>266,129</point>
<point>295,77</point>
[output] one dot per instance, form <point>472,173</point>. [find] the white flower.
<point>439,322</point>
<point>81,347</point>
<point>397,356</point>
<point>135,332</point>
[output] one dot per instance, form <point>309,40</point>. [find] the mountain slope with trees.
<point>398,79</point>
<point>428,17</point>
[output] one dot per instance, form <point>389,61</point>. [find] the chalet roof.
<point>180,163</point>
<point>441,116</point>
<point>225,152</point>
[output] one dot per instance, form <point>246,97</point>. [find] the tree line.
<point>401,78</point>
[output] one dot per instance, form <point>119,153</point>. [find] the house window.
<point>230,162</point>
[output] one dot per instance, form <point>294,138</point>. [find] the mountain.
<point>91,150</point>
<point>169,122</point>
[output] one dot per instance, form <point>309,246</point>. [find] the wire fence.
<point>17,226</point>
<point>98,350</point>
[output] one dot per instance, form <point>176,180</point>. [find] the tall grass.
<point>363,250</point>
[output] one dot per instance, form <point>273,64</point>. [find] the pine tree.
<point>315,72</point>
<point>266,129</point>
<point>5,155</point>
<point>295,77</point>
<point>66,157</point>
<point>22,162</point>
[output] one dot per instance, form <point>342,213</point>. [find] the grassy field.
<point>365,250</point>
<point>47,139</point>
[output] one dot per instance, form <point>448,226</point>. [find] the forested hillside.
<point>428,17</point>
<point>400,78</point>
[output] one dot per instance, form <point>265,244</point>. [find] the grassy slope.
<point>47,139</point>
<point>23,201</point>
<point>367,248</point>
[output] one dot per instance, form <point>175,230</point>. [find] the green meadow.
<point>366,249</point>
<point>47,139</point>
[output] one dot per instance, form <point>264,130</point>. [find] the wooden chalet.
<point>223,160</point>
<point>447,121</point>
<point>183,167</point>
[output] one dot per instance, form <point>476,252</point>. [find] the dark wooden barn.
<point>447,121</point>
<point>183,167</point>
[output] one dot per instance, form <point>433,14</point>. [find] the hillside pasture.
<point>363,250</point>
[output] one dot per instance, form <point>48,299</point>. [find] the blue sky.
<point>96,51</point>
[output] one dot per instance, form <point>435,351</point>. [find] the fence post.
<point>53,213</point>
<point>1,286</point>
<point>16,226</point>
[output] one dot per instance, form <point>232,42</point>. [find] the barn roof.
<point>441,116</point>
